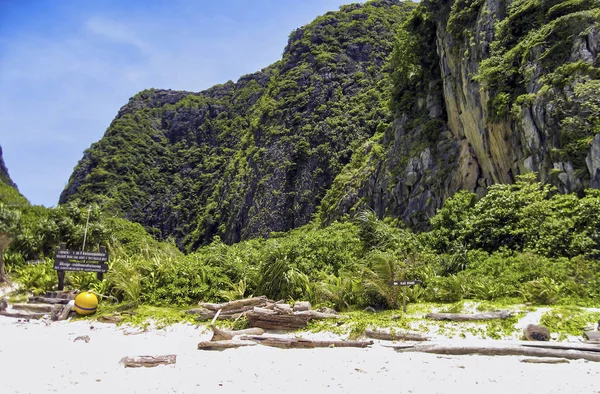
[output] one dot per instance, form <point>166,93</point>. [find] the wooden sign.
<point>79,261</point>
<point>405,282</point>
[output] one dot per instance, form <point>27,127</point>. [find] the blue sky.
<point>66,67</point>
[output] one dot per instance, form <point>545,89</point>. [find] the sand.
<point>42,357</point>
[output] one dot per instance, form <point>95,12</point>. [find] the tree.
<point>8,223</point>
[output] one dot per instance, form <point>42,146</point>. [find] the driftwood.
<point>39,308</point>
<point>469,317</point>
<point>148,361</point>
<point>283,308</point>
<point>110,319</point>
<point>389,335</point>
<point>222,345</point>
<point>301,306</point>
<point>504,350</point>
<point>46,300</point>
<point>235,305</point>
<point>61,312</point>
<point>563,345</point>
<point>302,343</point>
<point>541,360</point>
<point>271,320</point>
<point>320,315</point>
<point>22,314</point>
<point>592,336</point>
<point>84,338</point>
<point>223,335</point>
<point>205,314</point>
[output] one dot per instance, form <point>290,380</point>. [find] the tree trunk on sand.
<point>22,314</point>
<point>271,320</point>
<point>222,345</point>
<point>46,300</point>
<point>504,350</point>
<point>223,335</point>
<point>4,242</point>
<point>39,308</point>
<point>588,347</point>
<point>235,305</point>
<point>541,360</point>
<point>469,317</point>
<point>388,335</point>
<point>592,336</point>
<point>148,361</point>
<point>301,343</point>
<point>320,315</point>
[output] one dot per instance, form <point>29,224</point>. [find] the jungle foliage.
<point>520,242</point>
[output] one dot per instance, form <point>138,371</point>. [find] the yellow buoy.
<point>86,303</point>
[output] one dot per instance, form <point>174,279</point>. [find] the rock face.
<point>481,91</point>
<point>4,177</point>
<point>506,93</point>
<point>244,159</point>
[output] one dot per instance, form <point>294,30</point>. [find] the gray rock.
<point>536,333</point>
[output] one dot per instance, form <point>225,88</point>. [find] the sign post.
<point>78,260</point>
<point>404,283</point>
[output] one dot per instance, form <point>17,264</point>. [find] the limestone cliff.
<point>4,177</point>
<point>484,90</point>
<point>243,159</point>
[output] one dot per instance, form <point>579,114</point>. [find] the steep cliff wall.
<point>4,177</point>
<point>497,89</point>
<point>244,159</point>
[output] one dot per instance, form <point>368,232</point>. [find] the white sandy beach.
<point>41,357</point>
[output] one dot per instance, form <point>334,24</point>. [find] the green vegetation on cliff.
<point>4,177</point>
<point>243,159</point>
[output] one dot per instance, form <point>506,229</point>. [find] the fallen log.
<point>209,315</point>
<point>223,335</point>
<point>469,317</point>
<point>542,360</point>
<point>301,306</point>
<point>592,335</point>
<point>222,345</point>
<point>505,350</point>
<point>302,343</point>
<point>320,315</point>
<point>563,345</point>
<point>46,300</point>
<point>283,308</point>
<point>22,315</point>
<point>270,320</point>
<point>110,319</point>
<point>389,335</point>
<point>237,304</point>
<point>148,361</point>
<point>39,308</point>
<point>61,312</point>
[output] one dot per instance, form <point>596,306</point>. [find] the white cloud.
<point>116,32</point>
